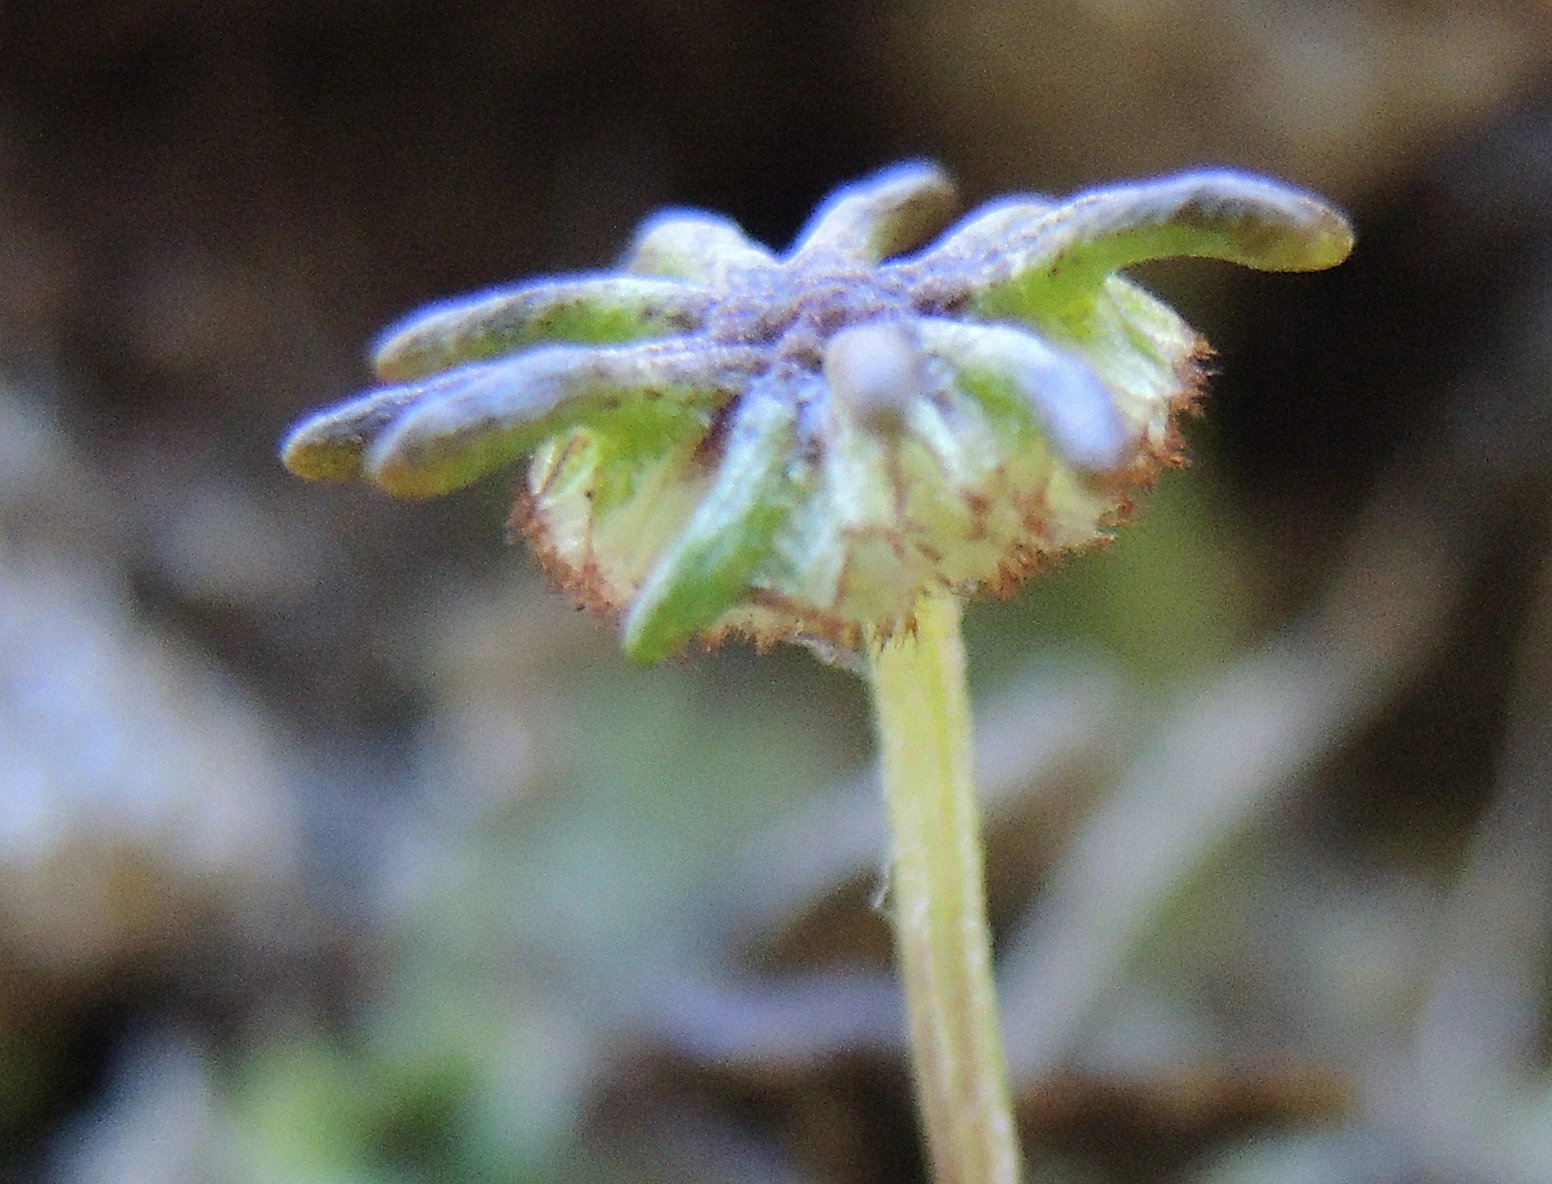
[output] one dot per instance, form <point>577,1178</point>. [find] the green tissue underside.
<point>633,437</point>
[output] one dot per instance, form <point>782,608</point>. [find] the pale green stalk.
<point>938,900</point>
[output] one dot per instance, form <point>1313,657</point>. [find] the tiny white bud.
<point>874,371</point>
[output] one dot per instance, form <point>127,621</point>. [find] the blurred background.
<point>334,847</point>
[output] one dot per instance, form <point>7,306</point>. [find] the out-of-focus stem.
<point>938,899</point>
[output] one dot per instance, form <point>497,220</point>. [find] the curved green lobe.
<point>591,310</point>
<point>707,569</point>
<point>1062,259</point>
<point>895,210</point>
<point>693,245</point>
<point>468,421</point>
